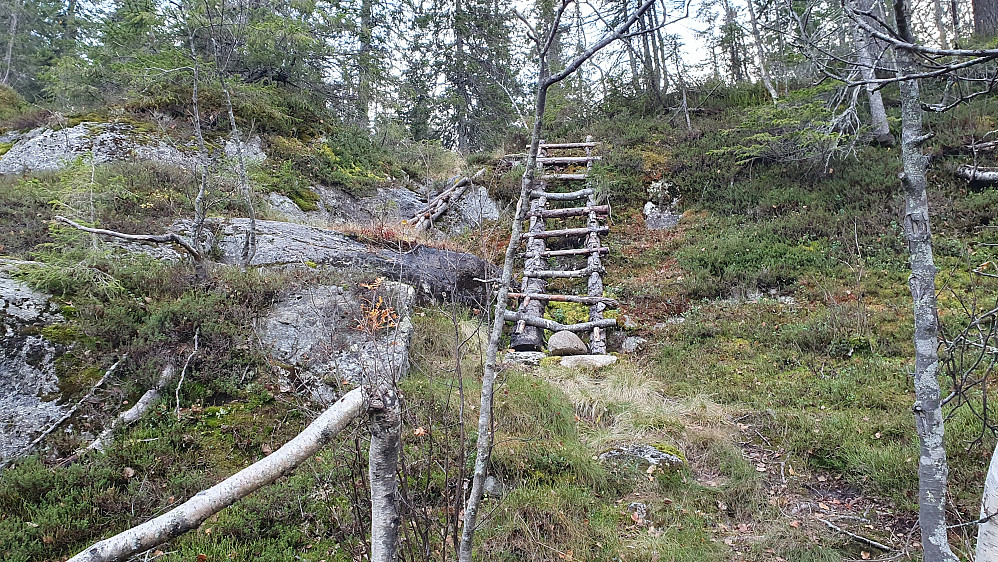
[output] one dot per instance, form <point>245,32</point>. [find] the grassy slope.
<point>785,410</point>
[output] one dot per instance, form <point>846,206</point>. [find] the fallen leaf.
<point>824,506</point>
<point>864,555</point>
<point>202,558</point>
<point>420,432</point>
<point>795,524</point>
<point>266,449</point>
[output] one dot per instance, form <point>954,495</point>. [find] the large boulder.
<point>566,343</point>
<point>45,149</point>
<point>29,386</point>
<point>313,334</point>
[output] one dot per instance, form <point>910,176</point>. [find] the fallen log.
<point>132,414</point>
<point>195,511</point>
<point>978,174</point>
<point>511,316</point>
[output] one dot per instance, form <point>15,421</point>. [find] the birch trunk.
<point>878,114</point>
<point>932,468</point>
<point>14,13</point>
<point>385,424</point>
<point>987,531</point>
<point>195,511</point>
<point>757,37</point>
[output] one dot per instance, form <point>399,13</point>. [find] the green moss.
<point>567,312</point>
<point>669,449</point>
<point>5,147</point>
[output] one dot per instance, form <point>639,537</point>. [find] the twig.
<point>183,372</point>
<point>67,415</point>
<point>856,537</point>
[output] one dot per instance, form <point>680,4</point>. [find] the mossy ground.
<point>777,364</point>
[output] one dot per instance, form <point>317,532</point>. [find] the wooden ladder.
<point>555,195</point>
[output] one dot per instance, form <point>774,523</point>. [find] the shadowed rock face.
<point>28,382</point>
<point>437,275</point>
<point>314,334</point>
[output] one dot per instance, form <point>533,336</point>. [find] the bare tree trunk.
<point>201,199</point>
<point>364,62</point>
<point>987,530</point>
<point>15,12</point>
<point>195,511</point>
<point>761,51</point>
<point>932,468</point>
<point>385,423</point>
<point>878,114</point>
<point>985,18</point>
<point>939,14</point>
<point>249,246</point>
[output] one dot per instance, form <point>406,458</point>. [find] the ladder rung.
<point>562,177</point>
<point>566,232</point>
<point>567,159</point>
<point>558,196</point>
<point>565,298</point>
<point>556,273</point>
<point>570,145</point>
<point>511,316</point>
<point>572,212</point>
<point>571,252</point>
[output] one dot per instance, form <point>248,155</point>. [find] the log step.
<point>544,297</point>
<point>603,210</point>
<point>567,159</point>
<point>571,252</point>
<point>566,232</point>
<point>550,177</point>
<point>563,273</point>
<point>570,145</point>
<point>559,196</point>
<point>511,316</point>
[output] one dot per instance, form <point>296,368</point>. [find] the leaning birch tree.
<point>543,40</point>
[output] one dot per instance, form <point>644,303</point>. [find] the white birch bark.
<point>132,414</point>
<point>987,530</point>
<point>761,52</point>
<point>15,12</point>
<point>932,468</point>
<point>878,114</point>
<point>195,511</point>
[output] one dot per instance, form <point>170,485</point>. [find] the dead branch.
<point>155,238</point>
<point>132,414</point>
<point>854,536</point>
<point>195,511</point>
<point>978,174</point>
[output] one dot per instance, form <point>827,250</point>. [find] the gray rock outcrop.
<point>312,333</point>
<point>46,149</point>
<point>588,361</point>
<point>29,387</point>
<point>566,343</point>
<point>657,218</point>
<point>436,274</point>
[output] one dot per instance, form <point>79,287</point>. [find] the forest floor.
<point>778,335</point>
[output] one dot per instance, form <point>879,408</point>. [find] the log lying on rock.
<point>195,511</point>
<point>438,275</point>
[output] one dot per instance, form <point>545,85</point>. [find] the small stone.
<point>528,358</point>
<point>592,361</point>
<point>629,322</point>
<point>128,472</point>
<point>493,487</point>
<point>566,343</point>
<point>632,344</point>
<point>660,219</point>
